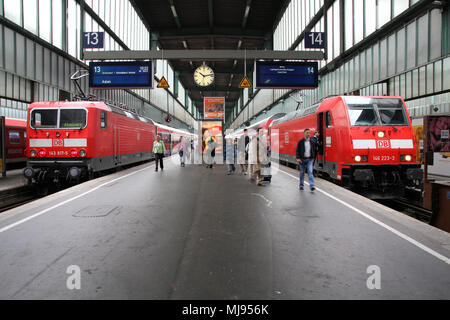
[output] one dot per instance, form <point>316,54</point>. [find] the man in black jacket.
<point>306,152</point>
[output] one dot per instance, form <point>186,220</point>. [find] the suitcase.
<point>266,172</point>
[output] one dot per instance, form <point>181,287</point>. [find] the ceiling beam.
<point>209,89</point>
<point>201,55</point>
<point>284,5</point>
<point>216,71</point>
<point>168,34</point>
<point>246,13</point>
<point>211,13</point>
<point>175,13</point>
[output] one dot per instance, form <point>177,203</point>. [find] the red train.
<point>71,140</point>
<point>364,142</point>
<point>15,141</point>
<point>172,137</point>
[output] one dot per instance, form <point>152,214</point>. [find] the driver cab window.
<point>328,120</point>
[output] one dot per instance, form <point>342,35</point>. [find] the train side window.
<point>329,124</point>
<point>14,137</point>
<point>103,120</point>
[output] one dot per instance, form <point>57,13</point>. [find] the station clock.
<point>204,75</point>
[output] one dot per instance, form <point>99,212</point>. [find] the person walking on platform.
<point>306,152</point>
<point>257,156</point>
<point>158,149</point>
<point>230,156</point>
<point>182,151</point>
<point>210,146</point>
<point>242,152</point>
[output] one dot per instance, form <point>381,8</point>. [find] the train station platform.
<point>196,233</point>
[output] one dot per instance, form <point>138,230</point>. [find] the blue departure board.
<point>286,75</point>
<point>118,75</point>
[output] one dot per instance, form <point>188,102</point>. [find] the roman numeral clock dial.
<point>204,76</point>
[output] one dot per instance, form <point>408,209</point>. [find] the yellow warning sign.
<point>245,83</point>
<point>163,83</point>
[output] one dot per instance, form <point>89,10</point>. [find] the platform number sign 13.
<point>315,40</point>
<point>93,40</point>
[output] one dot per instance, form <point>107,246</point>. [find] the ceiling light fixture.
<point>247,9</point>
<point>173,11</point>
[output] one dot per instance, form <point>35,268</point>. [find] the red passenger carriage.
<point>15,141</point>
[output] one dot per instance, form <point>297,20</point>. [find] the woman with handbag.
<point>159,149</point>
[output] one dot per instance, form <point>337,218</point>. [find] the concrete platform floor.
<point>196,233</point>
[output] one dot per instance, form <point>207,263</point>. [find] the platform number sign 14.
<point>93,40</point>
<point>315,40</point>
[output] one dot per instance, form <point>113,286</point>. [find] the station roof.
<point>212,24</point>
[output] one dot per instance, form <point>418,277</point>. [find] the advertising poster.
<point>418,141</point>
<point>214,108</point>
<point>438,142</point>
<point>212,129</point>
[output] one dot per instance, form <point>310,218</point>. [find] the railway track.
<point>16,197</point>
<point>409,208</point>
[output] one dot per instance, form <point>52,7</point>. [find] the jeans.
<point>159,158</point>
<point>308,163</point>
<point>231,167</point>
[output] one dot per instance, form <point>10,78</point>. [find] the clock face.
<point>204,76</point>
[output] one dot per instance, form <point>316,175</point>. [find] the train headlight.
<point>358,158</point>
<point>408,158</point>
<point>42,153</point>
<point>33,153</point>
<point>83,153</point>
<point>380,134</point>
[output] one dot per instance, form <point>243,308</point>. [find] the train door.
<point>116,144</point>
<point>321,153</point>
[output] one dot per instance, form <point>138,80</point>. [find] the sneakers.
<point>156,170</point>
<point>301,188</point>
<point>313,188</point>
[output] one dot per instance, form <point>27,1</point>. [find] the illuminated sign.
<point>118,75</point>
<point>286,75</point>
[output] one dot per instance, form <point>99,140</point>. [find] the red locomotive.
<point>364,141</point>
<point>69,140</point>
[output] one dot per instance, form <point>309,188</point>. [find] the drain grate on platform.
<point>97,211</point>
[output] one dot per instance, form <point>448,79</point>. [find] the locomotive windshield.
<point>44,118</point>
<point>376,111</point>
<point>72,118</point>
<point>68,118</point>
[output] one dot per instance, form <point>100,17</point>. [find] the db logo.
<point>383,144</point>
<point>58,142</point>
